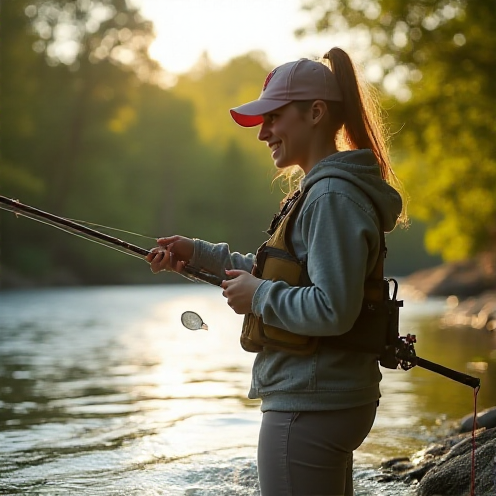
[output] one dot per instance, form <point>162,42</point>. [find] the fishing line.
<point>474,446</point>
<point>86,223</point>
<point>191,320</point>
<point>82,222</point>
<point>89,234</point>
<point>74,233</point>
<point>131,254</point>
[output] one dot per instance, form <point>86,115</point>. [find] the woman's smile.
<point>274,147</point>
<point>284,130</point>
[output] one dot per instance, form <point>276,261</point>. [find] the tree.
<point>70,31</point>
<point>85,135</point>
<point>240,202</point>
<point>435,58</point>
<point>77,133</point>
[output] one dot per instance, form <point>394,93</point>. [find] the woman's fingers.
<point>239,290</point>
<point>175,252</point>
<point>153,253</point>
<point>160,259</point>
<point>157,260</point>
<point>167,240</point>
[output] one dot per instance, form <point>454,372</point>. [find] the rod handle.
<point>203,275</point>
<point>468,380</point>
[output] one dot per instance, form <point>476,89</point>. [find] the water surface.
<point>104,392</point>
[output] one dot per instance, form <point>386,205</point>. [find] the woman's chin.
<point>281,164</point>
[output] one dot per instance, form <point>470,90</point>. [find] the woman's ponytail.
<point>363,125</point>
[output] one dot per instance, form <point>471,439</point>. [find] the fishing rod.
<point>407,359</point>
<point>403,351</point>
<point>80,230</point>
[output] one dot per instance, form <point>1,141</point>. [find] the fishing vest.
<point>374,331</point>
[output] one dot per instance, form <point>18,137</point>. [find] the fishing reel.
<point>405,351</point>
<point>400,350</point>
<point>401,354</point>
<point>407,359</point>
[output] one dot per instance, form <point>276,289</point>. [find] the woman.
<point>304,292</point>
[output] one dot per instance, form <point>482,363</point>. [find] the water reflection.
<point>102,390</point>
<point>107,382</point>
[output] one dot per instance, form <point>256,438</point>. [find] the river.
<point>104,392</point>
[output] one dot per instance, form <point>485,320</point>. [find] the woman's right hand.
<point>172,253</point>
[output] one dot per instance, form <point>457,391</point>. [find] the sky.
<point>227,28</point>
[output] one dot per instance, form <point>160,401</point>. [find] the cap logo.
<point>268,78</point>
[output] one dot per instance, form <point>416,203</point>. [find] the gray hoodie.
<point>337,233</point>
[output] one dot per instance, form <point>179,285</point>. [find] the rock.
<point>470,289</point>
<point>463,279</point>
<point>402,467</point>
<point>438,449</point>
<point>451,475</point>
<point>394,461</point>
<point>477,312</point>
<point>417,473</point>
<point>444,468</point>
<point>10,279</point>
<point>486,418</point>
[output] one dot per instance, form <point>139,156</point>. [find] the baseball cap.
<point>303,79</point>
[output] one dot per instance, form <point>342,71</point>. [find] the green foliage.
<point>437,60</point>
<point>92,138</point>
<point>244,170</point>
<point>71,31</point>
<point>406,251</point>
<point>214,91</point>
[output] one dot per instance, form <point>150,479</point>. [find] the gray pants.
<point>311,453</point>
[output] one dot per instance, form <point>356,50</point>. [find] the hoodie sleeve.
<point>216,258</point>
<point>341,239</point>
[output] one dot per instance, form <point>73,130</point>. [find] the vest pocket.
<point>250,339</point>
<point>275,261</point>
<point>257,336</point>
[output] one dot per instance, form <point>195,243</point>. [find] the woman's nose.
<point>263,133</point>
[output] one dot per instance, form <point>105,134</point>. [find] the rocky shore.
<point>468,286</point>
<point>445,467</point>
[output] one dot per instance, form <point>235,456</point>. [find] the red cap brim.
<point>251,114</point>
<point>246,120</point>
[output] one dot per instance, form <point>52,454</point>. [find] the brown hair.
<point>357,121</point>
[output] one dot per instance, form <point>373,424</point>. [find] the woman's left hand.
<point>239,290</point>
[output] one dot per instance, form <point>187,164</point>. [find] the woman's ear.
<point>318,110</point>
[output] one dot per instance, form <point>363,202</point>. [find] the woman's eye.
<point>270,118</point>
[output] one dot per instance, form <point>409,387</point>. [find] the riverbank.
<point>444,467</point>
<point>468,286</point>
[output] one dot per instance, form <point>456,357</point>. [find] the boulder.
<point>469,286</point>
<point>463,279</point>
<point>486,419</point>
<point>477,312</point>
<point>445,467</point>
<point>451,474</point>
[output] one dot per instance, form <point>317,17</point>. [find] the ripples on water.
<point>103,392</point>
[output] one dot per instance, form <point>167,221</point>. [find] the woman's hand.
<point>172,254</point>
<point>239,290</point>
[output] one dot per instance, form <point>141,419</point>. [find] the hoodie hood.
<point>360,167</point>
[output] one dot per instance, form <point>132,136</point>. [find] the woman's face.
<point>287,133</point>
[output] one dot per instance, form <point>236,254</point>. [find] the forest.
<point>100,138</point>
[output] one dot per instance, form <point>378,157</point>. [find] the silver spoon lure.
<point>193,322</point>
